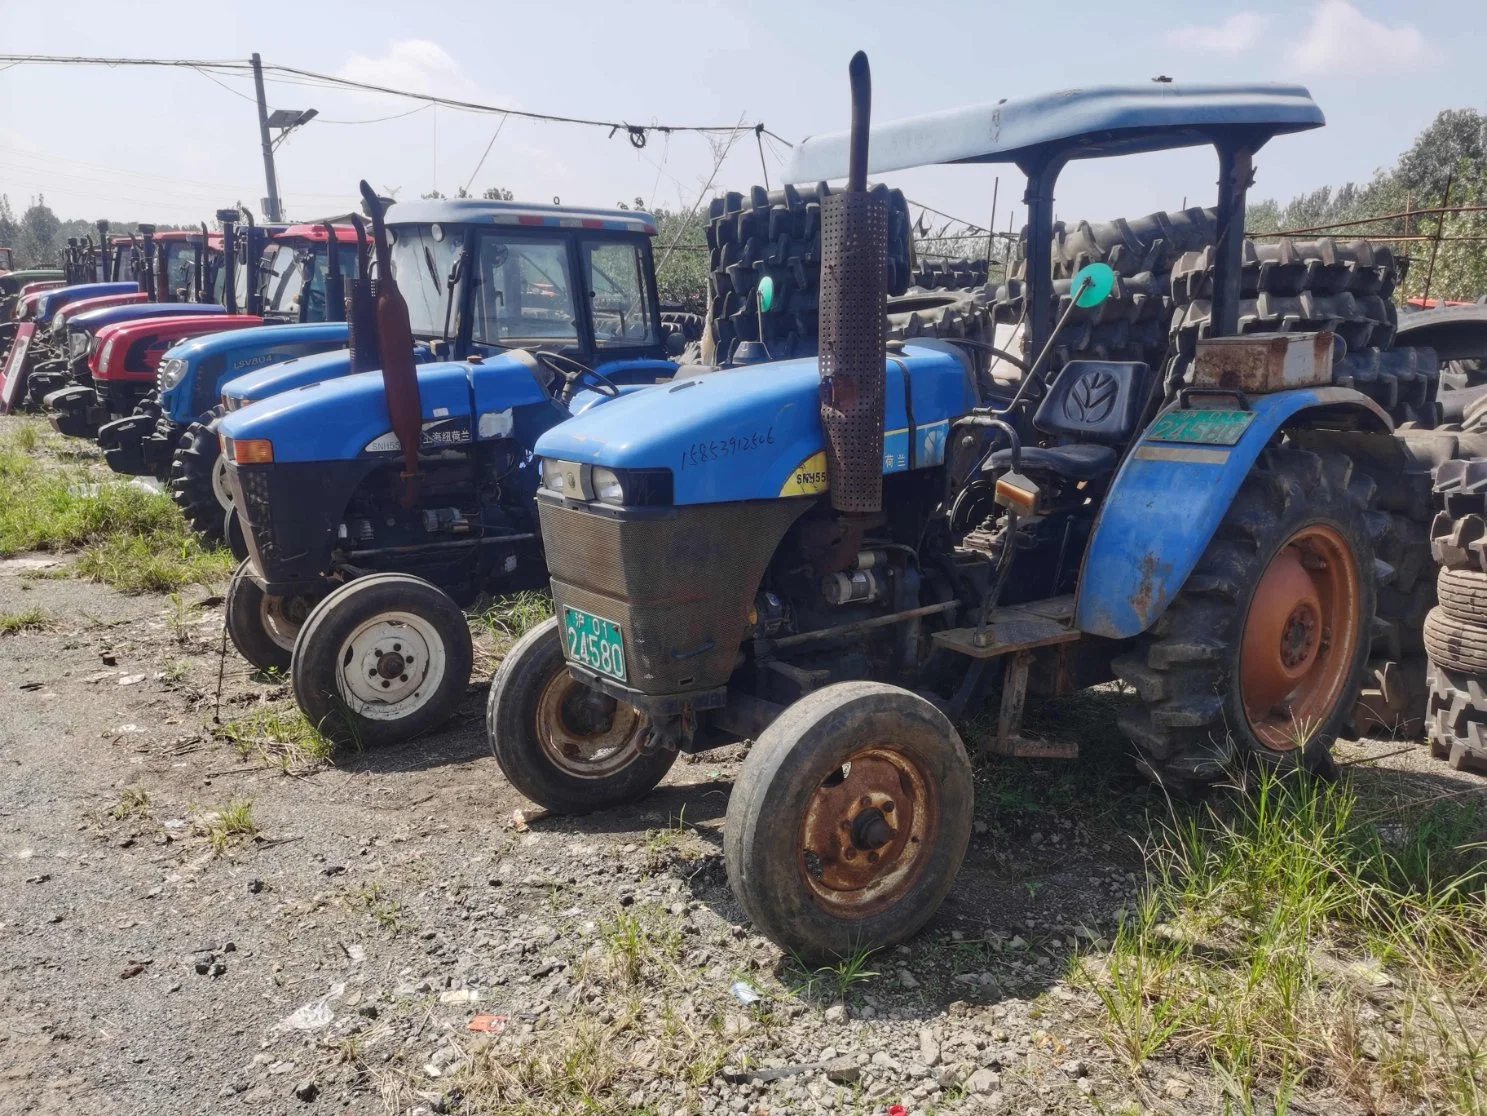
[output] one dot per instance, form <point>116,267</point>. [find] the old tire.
<point>1282,597</point>
<point>261,627</point>
<point>1457,719</point>
<point>1463,595</point>
<point>877,764</point>
<point>381,660</point>
<point>198,478</point>
<point>1458,645</point>
<point>566,747</point>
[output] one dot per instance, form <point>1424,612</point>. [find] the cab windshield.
<point>421,258</point>
<point>178,265</point>
<point>524,290</point>
<point>283,276</point>
<point>618,292</point>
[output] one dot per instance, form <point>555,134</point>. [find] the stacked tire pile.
<point>777,234</point>
<point>1310,285</point>
<point>950,275</point>
<point>1455,630</point>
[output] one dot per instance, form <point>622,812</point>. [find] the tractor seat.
<point>1092,408</point>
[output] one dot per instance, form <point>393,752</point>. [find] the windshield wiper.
<point>456,271</point>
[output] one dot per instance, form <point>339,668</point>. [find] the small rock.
<point>929,1050</point>
<point>843,1070</point>
<point>1177,1090</point>
<point>307,1090</point>
<point>367,1011</point>
<point>983,1081</point>
<point>1085,1086</point>
<point>255,886</point>
<point>836,1013</point>
<point>906,979</point>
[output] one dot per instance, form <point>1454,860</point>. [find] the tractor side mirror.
<point>1092,285</point>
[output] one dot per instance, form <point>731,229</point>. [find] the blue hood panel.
<point>751,433</point>
<point>301,372</point>
<point>225,356</point>
<point>51,301</point>
<point>137,311</point>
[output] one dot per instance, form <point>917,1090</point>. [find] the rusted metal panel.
<point>1260,363</point>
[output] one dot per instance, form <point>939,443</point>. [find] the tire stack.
<point>950,275</point>
<point>778,234</point>
<point>1311,285</point>
<point>1455,630</point>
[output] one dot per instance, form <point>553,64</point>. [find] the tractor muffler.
<point>395,339</point>
<point>854,293</point>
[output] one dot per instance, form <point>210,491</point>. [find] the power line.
<point>637,133</point>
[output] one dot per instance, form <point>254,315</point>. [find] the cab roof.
<point>345,234</point>
<point>478,211</point>
<point>1077,123</point>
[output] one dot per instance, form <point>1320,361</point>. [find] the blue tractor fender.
<point>1168,499</point>
<point>194,386</point>
<point>53,300</point>
<point>297,373</point>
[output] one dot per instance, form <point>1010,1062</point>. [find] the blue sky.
<point>173,146</point>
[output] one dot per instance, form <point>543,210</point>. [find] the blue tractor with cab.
<point>378,497</point>
<point>840,558</point>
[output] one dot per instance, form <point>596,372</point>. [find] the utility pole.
<point>270,203</point>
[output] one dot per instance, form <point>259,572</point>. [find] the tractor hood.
<point>122,345</point>
<point>754,433</point>
<point>346,418</point>
<point>64,316</point>
<point>193,373</point>
<point>12,281</point>
<point>95,320</point>
<point>53,300</point>
<point>259,340</point>
<point>297,373</point>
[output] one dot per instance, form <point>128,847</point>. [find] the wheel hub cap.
<point>586,733</point>
<point>1300,638</point>
<point>391,666</point>
<point>865,830</point>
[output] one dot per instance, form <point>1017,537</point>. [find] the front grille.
<point>680,584</point>
<point>251,485</point>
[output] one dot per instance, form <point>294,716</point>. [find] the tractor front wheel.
<point>381,660</point>
<point>198,478</point>
<point>566,747</point>
<point>849,821</point>
<point>1261,655</point>
<point>263,628</point>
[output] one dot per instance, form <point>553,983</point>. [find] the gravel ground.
<point>334,954</point>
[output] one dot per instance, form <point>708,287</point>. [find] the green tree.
<point>681,259</point>
<point>9,230</point>
<point>38,235</point>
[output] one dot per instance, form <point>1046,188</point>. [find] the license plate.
<point>1207,428</point>
<point>594,642</point>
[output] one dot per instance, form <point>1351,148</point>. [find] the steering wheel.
<point>574,372</point>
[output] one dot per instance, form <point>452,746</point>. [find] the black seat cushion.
<point>1081,461</point>
<point>1095,401</point>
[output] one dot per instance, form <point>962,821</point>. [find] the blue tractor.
<point>841,557</point>
<point>380,501</point>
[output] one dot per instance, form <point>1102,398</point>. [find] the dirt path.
<point>152,961</point>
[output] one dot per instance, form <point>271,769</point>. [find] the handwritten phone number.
<point>700,453</point>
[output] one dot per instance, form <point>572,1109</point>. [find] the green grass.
<point>282,739</point>
<point>129,538</point>
<point>224,826</point>
<point>32,620</point>
<point>1294,940</point>
<point>509,618</point>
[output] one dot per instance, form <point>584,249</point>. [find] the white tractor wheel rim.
<point>391,666</point>
<point>280,628</point>
<point>220,487</point>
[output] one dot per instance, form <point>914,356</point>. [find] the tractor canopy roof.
<point>345,234</point>
<point>477,211</point>
<point>1074,124</point>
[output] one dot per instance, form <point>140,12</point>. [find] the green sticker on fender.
<point>1205,428</point>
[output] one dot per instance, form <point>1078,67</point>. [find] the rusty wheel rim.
<point>584,733</point>
<point>1300,638</point>
<point>867,832</point>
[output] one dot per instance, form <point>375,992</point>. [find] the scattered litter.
<point>174,823</point>
<point>109,658</point>
<point>459,996</point>
<point>356,953</point>
<point>897,1110</point>
<point>147,484</point>
<point>745,992</point>
<point>100,676</point>
<point>85,491</point>
<point>487,1024</point>
<point>521,819</point>
<point>32,685</point>
<point>131,971</point>
<point>316,1014</point>
<point>122,729</point>
<point>131,679</point>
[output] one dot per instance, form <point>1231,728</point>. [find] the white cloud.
<point>1234,35</point>
<point>1341,39</point>
<point>415,65</point>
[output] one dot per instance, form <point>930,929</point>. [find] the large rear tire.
<point>1261,655</point>
<point>849,821</point>
<point>381,660</point>
<point>566,747</point>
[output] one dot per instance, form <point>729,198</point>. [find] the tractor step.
<point>1015,628</point>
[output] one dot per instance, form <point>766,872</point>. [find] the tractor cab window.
<point>283,276</point>
<point>178,264</point>
<point>618,293</point>
<point>524,291</point>
<point>421,262</point>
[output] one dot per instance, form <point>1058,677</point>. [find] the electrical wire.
<point>487,151</point>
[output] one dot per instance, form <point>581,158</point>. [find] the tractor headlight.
<point>108,352</point>
<point>618,487</point>
<point>607,486</point>
<point>77,343</point>
<point>172,372</point>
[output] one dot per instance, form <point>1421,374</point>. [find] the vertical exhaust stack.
<point>228,218</point>
<point>335,281</point>
<point>103,253</point>
<point>854,293</point>
<point>395,337</point>
<point>147,263</point>
<point>361,308</point>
